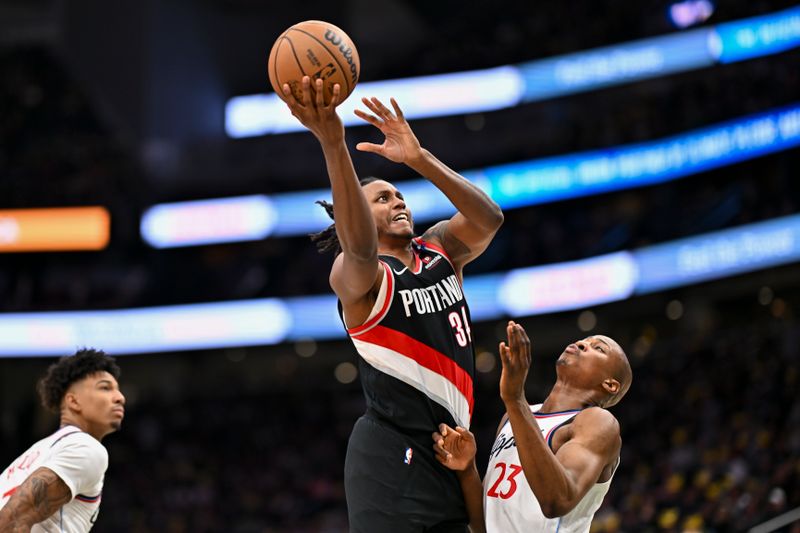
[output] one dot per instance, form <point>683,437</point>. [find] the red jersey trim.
<point>387,302</point>
<point>426,244</point>
<point>425,356</point>
<point>417,262</point>
<point>440,251</point>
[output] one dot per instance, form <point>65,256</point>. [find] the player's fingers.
<point>443,459</point>
<point>371,105</point>
<point>397,110</point>
<point>369,147</point>
<point>503,350</point>
<point>306,91</point>
<point>384,111</point>
<point>440,451</point>
<point>524,340</point>
<point>367,117</point>
<point>514,336</point>
<point>287,92</point>
<point>319,92</point>
<point>291,100</point>
<point>337,90</point>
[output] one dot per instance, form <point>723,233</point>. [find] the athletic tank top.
<point>80,461</point>
<point>509,502</point>
<point>416,352</point>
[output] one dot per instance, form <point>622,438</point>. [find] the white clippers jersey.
<point>509,502</point>
<point>80,461</point>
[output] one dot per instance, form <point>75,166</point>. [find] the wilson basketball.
<point>316,49</point>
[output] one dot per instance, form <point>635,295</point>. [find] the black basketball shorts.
<point>394,484</point>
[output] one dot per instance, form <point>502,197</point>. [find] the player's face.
<point>99,402</point>
<point>594,355</point>
<point>389,210</point>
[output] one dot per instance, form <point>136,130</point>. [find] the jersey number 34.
<point>460,326</point>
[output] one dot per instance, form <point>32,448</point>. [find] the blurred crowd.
<point>711,430</point>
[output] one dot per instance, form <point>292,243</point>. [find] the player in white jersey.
<point>56,484</point>
<point>551,463</point>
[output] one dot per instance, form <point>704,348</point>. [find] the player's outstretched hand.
<point>322,120</point>
<point>516,359</point>
<point>455,448</point>
<point>400,144</point>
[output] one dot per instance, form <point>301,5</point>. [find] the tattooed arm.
<point>39,496</point>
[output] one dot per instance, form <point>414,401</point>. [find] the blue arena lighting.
<point>720,254</point>
<point>756,37</point>
<point>511,185</point>
<point>147,330</point>
<point>510,85</point>
<point>615,65</point>
<point>521,292</point>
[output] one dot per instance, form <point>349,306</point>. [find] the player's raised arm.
<point>467,234</point>
<point>559,481</point>
<point>40,495</point>
<point>356,270</point>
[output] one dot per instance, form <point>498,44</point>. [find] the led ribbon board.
<point>510,85</point>
<point>521,292</point>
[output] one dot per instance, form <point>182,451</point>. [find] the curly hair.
<point>327,240</point>
<point>70,369</point>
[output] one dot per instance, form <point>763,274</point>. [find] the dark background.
<point>121,104</point>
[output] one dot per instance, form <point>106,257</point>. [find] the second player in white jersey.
<point>79,460</point>
<point>55,486</point>
<point>509,502</point>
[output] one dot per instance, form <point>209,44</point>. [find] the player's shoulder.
<point>433,235</point>
<point>78,442</point>
<point>596,419</point>
<point>502,424</point>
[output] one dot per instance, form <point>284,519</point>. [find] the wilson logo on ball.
<point>346,51</point>
<point>316,49</point>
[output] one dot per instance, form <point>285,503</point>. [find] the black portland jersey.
<point>417,358</point>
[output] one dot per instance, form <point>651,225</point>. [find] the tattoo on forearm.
<point>41,495</point>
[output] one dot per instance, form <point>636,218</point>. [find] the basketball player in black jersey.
<point>401,300</point>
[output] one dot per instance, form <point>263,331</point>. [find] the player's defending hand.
<point>516,360</point>
<point>400,144</point>
<point>455,448</point>
<point>322,120</point>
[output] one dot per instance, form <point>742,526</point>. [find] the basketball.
<point>316,49</point>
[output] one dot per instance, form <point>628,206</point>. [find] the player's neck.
<point>399,249</point>
<point>566,398</point>
<point>69,419</point>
